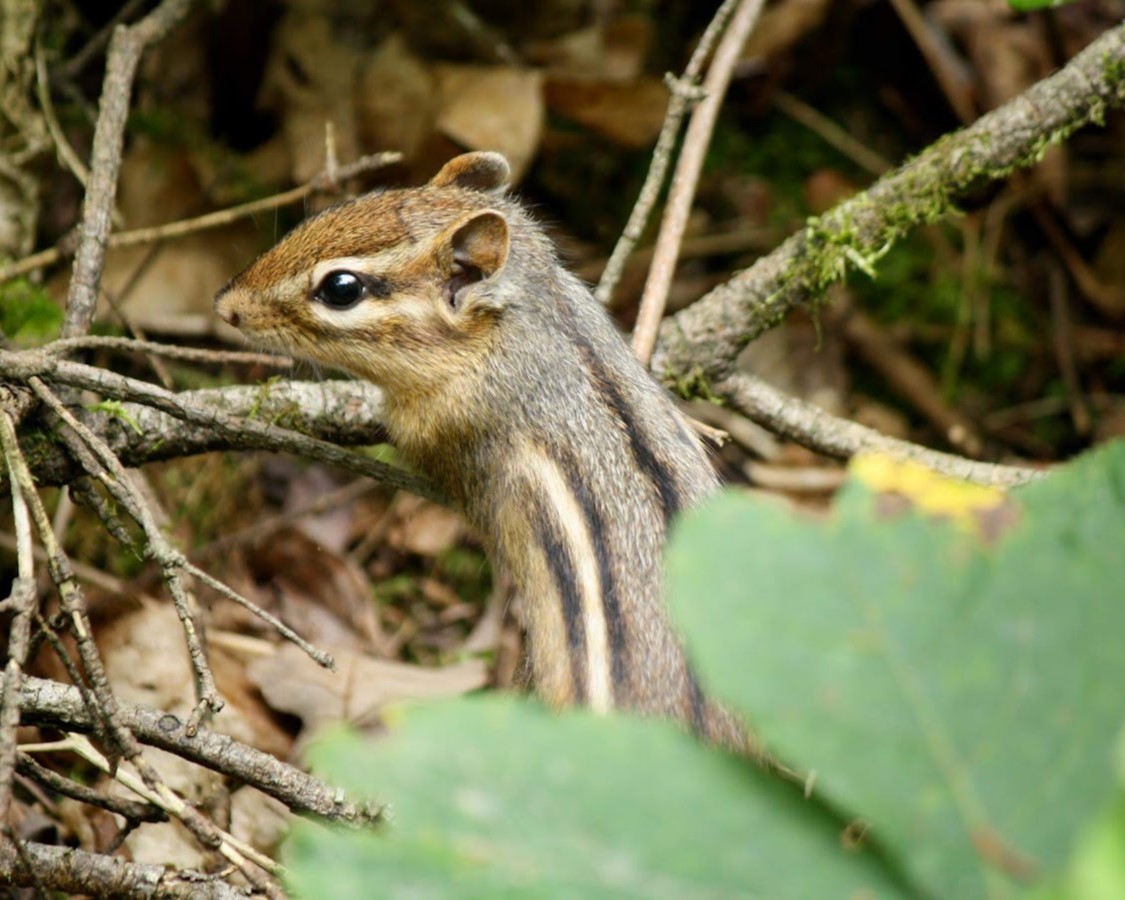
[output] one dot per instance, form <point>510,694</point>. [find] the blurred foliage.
<point>941,662</point>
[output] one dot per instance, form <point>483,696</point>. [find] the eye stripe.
<point>376,286</point>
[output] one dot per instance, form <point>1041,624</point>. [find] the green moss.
<point>467,572</point>
<point>28,315</point>
<point>692,385</point>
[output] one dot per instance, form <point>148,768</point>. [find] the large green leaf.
<point>960,697</point>
<point>496,797</point>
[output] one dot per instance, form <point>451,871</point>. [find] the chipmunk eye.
<point>340,290</point>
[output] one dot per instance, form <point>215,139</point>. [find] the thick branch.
<point>249,433</point>
<point>707,337</point>
<point>345,413</point>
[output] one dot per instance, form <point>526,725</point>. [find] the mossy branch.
<point>708,336</point>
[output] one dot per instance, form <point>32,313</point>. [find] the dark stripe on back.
<point>611,600</point>
<point>566,582</point>
<point>662,479</point>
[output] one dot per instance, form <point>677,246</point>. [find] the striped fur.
<point>507,383</point>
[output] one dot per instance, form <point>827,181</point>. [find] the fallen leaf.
<point>629,114</point>
<point>397,99</point>
<point>493,108</point>
<point>360,687</point>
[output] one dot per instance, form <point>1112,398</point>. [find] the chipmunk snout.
<point>223,308</point>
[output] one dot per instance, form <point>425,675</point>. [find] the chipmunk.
<point>507,383</point>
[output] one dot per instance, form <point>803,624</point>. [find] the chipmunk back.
<point>507,383</point>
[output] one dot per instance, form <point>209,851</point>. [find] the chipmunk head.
<point>399,287</point>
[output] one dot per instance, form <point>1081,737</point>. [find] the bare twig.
<point>60,706</point>
<point>73,66</point>
<point>707,337</point>
<point>818,430</point>
<point>62,145</point>
<point>322,182</point>
<point>65,346</point>
<point>906,377</point>
<point>1062,337</point>
<point>73,605</point>
<point>128,809</point>
<point>21,602</point>
<point>688,166</point>
<point>236,851</point>
<point>157,546</point>
<point>951,74</point>
<point>171,561</point>
<point>125,49</point>
<point>831,133</point>
<point>683,93</point>
<point>77,872</point>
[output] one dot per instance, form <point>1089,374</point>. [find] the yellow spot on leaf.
<point>930,492</point>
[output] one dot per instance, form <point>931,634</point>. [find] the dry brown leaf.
<point>423,527</point>
<point>397,99</point>
<point>493,108</point>
<point>628,114</point>
<point>325,595</point>
<point>616,51</point>
<point>360,687</point>
<point>782,25</point>
<point>310,78</point>
<point>147,663</point>
<point>157,284</point>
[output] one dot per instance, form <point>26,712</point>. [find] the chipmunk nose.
<point>223,308</point>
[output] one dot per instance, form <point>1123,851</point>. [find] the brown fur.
<point>505,382</point>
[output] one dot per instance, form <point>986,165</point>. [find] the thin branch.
<point>62,145</point>
<point>688,167</point>
<point>818,430</point>
<point>706,338</point>
<point>132,810</point>
<point>74,66</point>
<point>21,602</point>
<point>238,852</point>
<point>125,49</point>
<point>911,381</point>
<point>174,565</point>
<point>48,703</point>
<point>157,546</point>
<point>684,92</point>
<point>77,872</point>
<point>65,346</point>
<point>216,219</point>
<point>73,605</point>
<point>831,133</point>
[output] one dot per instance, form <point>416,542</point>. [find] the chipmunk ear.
<point>486,172</point>
<point>479,249</point>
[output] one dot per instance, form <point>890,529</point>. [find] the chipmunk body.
<point>506,383</point>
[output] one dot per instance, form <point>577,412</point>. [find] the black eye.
<point>340,290</point>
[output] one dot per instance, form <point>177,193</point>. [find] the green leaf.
<point>1098,868</point>
<point>498,797</point>
<point>962,698</point>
